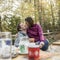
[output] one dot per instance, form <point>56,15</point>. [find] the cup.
<point>33,52</point>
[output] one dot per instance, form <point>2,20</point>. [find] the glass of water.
<point>5,45</point>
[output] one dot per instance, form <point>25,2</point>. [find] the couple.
<point>34,31</point>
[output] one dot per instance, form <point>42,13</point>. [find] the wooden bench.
<point>56,43</point>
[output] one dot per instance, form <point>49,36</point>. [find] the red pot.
<point>33,52</point>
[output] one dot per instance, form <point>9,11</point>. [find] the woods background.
<point>44,12</point>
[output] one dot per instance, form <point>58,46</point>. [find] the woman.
<point>35,31</point>
<point>21,33</point>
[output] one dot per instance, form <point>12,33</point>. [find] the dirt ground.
<point>57,36</point>
<point>53,37</point>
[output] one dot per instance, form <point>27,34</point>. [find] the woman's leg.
<point>45,47</point>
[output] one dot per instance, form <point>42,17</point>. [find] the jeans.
<point>46,45</point>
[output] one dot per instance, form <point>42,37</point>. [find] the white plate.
<point>22,53</point>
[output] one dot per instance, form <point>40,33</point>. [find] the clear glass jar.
<point>5,45</point>
<point>23,45</point>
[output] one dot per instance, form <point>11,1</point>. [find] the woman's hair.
<point>30,21</point>
<point>18,27</point>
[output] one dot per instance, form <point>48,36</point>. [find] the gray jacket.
<point>20,35</point>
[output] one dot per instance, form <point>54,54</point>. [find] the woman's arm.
<point>40,32</point>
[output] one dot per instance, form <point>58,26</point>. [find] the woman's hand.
<point>31,39</point>
<point>41,44</point>
<point>16,35</point>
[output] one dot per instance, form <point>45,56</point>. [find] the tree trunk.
<point>59,13</point>
<point>52,13</point>
<point>35,9</point>
<point>53,18</point>
<point>0,24</point>
<point>40,11</point>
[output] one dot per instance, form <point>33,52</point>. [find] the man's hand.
<point>41,44</point>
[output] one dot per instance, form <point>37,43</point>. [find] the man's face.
<point>22,26</point>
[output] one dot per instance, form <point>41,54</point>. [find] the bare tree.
<point>35,9</point>
<point>52,14</point>
<point>0,24</point>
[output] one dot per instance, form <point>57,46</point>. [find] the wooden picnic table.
<point>43,55</point>
<point>20,57</point>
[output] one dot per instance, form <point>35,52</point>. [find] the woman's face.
<point>26,24</point>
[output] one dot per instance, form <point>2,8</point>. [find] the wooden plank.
<point>47,33</point>
<point>56,43</point>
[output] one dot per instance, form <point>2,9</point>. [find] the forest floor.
<point>53,37</point>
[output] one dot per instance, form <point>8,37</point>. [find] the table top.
<point>20,57</point>
<point>43,55</point>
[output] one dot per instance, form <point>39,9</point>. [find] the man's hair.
<point>18,27</point>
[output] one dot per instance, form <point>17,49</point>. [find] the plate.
<point>22,53</point>
<point>14,55</point>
